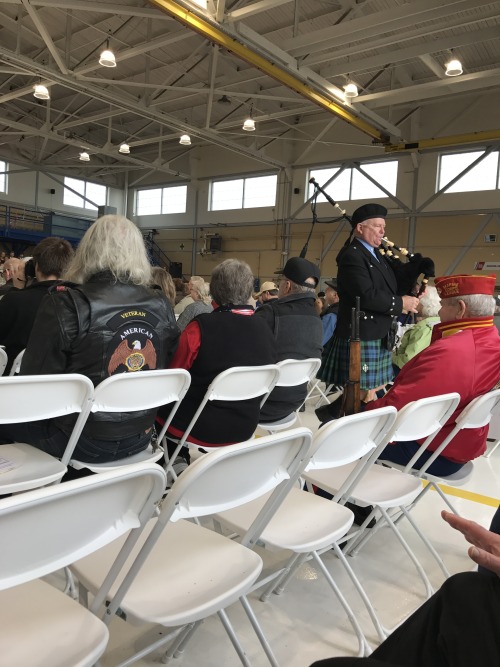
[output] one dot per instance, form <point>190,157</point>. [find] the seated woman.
<point>418,337</point>
<point>213,342</point>
<point>107,321</point>
<point>199,292</point>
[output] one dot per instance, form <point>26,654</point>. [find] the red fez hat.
<point>448,286</point>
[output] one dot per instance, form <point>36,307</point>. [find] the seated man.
<point>19,307</point>
<point>296,328</point>
<point>107,321</point>
<point>211,343</point>
<point>463,357</point>
<point>458,626</point>
<point>330,313</point>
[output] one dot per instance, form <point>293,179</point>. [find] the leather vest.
<point>119,328</point>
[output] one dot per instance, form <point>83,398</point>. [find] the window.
<point>3,176</point>
<point>95,194</point>
<point>252,192</point>
<point>157,201</point>
<point>484,176</point>
<point>352,184</point>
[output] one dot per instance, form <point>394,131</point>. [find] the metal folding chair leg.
<point>177,647</point>
<point>257,629</point>
<point>234,639</point>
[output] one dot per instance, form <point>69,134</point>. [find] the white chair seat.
<point>186,570</point>
<point>458,478</point>
<point>316,524</point>
<point>382,486</point>
<point>146,456</point>
<point>69,634</point>
<point>32,468</point>
<point>281,424</point>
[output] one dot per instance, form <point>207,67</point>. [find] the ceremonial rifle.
<point>352,401</point>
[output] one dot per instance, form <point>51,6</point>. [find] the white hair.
<point>115,245</point>
<point>430,302</point>
<point>478,305</point>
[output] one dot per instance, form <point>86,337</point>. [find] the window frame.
<point>162,189</point>
<point>4,177</point>
<point>244,179</point>
<point>479,150</point>
<point>86,205</point>
<point>350,171</point>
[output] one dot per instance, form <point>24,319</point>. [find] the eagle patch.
<point>134,347</point>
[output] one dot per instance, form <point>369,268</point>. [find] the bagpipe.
<point>409,272</point>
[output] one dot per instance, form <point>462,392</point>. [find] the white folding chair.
<point>27,398</point>
<point>3,360</point>
<point>493,434</point>
<point>476,414</point>
<point>293,373</point>
<point>239,383</point>
<point>46,529</point>
<point>308,524</point>
<point>128,392</point>
<point>184,572</point>
<point>387,488</point>
<point>16,365</point>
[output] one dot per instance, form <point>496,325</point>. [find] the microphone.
<point>325,194</point>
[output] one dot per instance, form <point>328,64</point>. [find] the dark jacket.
<point>99,329</point>
<point>18,309</point>
<point>226,340</point>
<point>359,274</point>
<point>298,333</point>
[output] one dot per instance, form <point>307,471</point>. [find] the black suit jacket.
<point>359,274</point>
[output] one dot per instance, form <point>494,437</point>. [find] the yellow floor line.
<point>468,495</point>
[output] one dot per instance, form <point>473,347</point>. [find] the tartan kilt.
<point>376,364</point>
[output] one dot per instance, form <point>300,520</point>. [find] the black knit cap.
<point>298,270</point>
<point>332,283</point>
<point>367,212</point>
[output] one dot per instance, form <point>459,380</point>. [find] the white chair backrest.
<point>239,383</point>
<point>295,372</point>
<point>26,398</point>
<point>16,365</point>
<point>236,474</point>
<point>479,411</point>
<point>3,360</point>
<point>350,438</point>
<point>475,415</point>
<point>228,477</point>
<point>424,418</point>
<point>46,529</point>
<point>128,392</point>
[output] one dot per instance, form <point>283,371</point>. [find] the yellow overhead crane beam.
<point>217,36</point>
<point>442,142</point>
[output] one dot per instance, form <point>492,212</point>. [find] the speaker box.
<point>175,269</point>
<point>106,210</point>
<point>215,243</point>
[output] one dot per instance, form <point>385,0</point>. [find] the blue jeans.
<point>49,438</point>
<point>402,452</point>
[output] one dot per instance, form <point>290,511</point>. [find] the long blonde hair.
<point>162,278</point>
<point>112,243</point>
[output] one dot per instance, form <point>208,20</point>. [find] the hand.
<point>410,304</point>
<point>486,549</point>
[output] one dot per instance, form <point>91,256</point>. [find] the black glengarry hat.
<point>367,212</point>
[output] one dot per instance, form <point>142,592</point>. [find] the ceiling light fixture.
<point>84,156</point>
<point>350,90</point>
<point>107,57</point>
<point>224,100</point>
<point>185,140</point>
<point>249,123</point>
<point>41,92</point>
<point>124,148</point>
<point>453,67</point>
